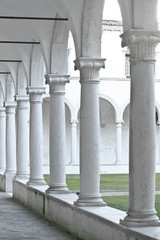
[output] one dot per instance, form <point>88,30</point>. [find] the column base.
<point>36,182</point>
<point>141,220</point>
<point>89,202</point>
<point>58,190</point>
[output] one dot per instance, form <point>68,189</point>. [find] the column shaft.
<point>119,142</point>
<point>142,133</point>
<point>57,134</point>
<point>22,137</point>
<point>10,145</point>
<point>36,136</point>
<point>2,140</point>
<point>89,133</point>
<point>10,138</point>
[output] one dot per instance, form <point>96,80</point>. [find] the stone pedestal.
<point>10,145</point>
<point>119,142</point>
<point>2,140</point>
<point>22,137</point>
<point>57,134</point>
<point>142,129</point>
<point>36,136</point>
<point>89,133</point>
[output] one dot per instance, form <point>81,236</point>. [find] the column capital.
<point>36,89</point>
<point>57,82</point>
<point>74,121</point>
<point>83,62</point>
<point>89,68</point>
<point>10,104</point>
<point>2,111</point>
<point>142,43</point>
<point>23,98</point>
<point>36,93</point>
<point>57,78</point>
<point>119,123</point>
<point>22,101</point>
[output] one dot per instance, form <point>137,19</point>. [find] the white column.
<point>74,142</point>
<point>158,123</point>
<point>89,133</point>
<point>142,129</point>
<point>57,133</point>
<point>36,136</point>
<point>10,145</point>
<point>2,140</point>
<point>22,137</point>
<point>119,142</point>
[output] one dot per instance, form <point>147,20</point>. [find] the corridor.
<point>17,222</point>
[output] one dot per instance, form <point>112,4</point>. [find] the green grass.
<point>121,202</point>
<point>107,181</point>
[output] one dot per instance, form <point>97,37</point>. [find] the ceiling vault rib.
<point>19,42</point>
<point>34,18</point>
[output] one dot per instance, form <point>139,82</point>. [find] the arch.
<point>92,28</point>
<point>127,102</point>
<point>113,103</point>
<point>139,14</point>
<point>74,20</point>
<point>22,82</point>
<point>37,67</point>
<point>10,88</point>
<point>59,48</point>
<point>73,114</point>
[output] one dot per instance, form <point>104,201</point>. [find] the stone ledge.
<point>86,222</point>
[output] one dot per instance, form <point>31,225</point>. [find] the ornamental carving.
<point>141,43</point>
<point>89,68</point>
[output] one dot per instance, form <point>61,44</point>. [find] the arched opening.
<point>107,133</point>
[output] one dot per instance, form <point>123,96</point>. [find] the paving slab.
<point>18,222</point>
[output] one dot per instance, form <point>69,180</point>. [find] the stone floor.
<point>17,223</point>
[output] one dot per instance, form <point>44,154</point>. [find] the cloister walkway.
<point>17,223</point>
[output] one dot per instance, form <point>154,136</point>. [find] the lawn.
<point>111,182</point>
<point>107,181</point>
